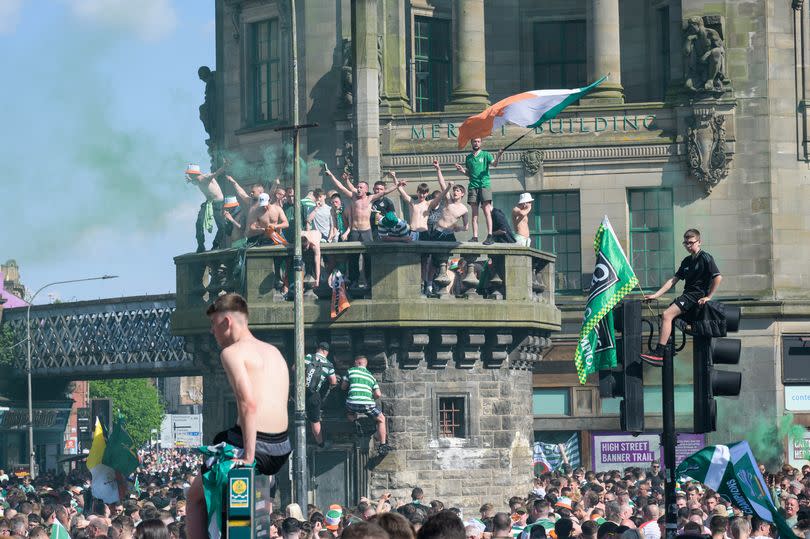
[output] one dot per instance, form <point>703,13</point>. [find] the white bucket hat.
<point>524,198</point>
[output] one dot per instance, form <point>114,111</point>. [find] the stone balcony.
<point>517,291</point>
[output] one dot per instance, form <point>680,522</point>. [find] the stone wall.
<point>494,460</point>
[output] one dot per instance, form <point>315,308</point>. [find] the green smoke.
<point>768,439</point>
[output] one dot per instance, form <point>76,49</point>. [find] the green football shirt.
<point>361,386</point>
<point>478,169</point>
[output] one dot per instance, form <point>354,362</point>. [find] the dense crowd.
<point>566,504</point>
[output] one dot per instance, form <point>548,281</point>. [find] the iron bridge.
<point>116,337</point>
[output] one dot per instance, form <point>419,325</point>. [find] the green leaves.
<point>138,401</point>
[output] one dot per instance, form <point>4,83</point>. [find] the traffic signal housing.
<point>626,380</point>
<point>709,382</point>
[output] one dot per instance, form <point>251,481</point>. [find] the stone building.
<point>702,124</point>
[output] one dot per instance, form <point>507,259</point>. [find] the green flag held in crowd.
<point>732,471</point>
<point>120,453</point>
<point>613,278</point>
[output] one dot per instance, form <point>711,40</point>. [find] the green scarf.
<point>216,479</point>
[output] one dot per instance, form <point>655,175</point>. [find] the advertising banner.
<point>619,450</point>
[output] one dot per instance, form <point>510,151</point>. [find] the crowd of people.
<point>353,211</point>
<point>565,504</point>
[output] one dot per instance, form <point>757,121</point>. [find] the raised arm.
<point>349,192</point>
<point>438,200</point>
<point>240,191</point>
<point>439,175</point>
<point>390,190</point>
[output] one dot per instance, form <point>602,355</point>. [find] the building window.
<point>432,50</point>
<point>556,222</point>
<point>559,54</point>
<point>551,401</point>
<point>554,227</point>
<point>452,417</point>
<point>651,236</point>
<point>663,50</point>
<point>265,66</point>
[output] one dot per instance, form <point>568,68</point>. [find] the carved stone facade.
<point>705,67</point>
<point>707,149</point>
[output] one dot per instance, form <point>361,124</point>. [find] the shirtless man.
<point>453,210</point>
<point>520,219</point>
<point>261,214</point>
<point>260,381</point>
<point>207,183</point>
<point>360,219</point>
<point>361,205</point>
<point>418,209</point>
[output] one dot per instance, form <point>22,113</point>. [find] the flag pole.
<point>516,140</point>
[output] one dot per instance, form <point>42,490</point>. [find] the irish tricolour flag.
<point>527,109</point>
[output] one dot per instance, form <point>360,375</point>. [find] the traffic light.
<point>710,383</point>
<point>626,380</point>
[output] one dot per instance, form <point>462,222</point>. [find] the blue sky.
<point>100,101</point>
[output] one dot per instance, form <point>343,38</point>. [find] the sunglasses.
<point>688,243</point>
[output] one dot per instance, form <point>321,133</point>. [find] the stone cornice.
<point>551,155</point>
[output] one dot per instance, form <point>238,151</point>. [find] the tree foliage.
<point>138,401</point>
<point>6,345</point>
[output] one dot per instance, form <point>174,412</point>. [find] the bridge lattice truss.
<point>124,337</point>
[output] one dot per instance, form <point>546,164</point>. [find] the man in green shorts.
<point>363,389</point>
<point>479,191</point>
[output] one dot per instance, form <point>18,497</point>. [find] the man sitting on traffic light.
<point>702,278</point>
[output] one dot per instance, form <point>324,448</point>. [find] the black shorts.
<point>686,302</point>
<point>272,450</point>
<point>424,235</point>
<point>361,235</point>
<point>314,404</point>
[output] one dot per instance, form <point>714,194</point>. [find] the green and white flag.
<point>732,471</point>
<point>613,278</point>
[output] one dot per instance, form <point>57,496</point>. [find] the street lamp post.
<point>28,368</point>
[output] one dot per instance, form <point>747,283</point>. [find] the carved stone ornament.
<point>706,146</point>
<point>705,55</point>
<point>532,161</point>
<point>347,75</point>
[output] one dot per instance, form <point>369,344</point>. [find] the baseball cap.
<point>323,345</point>
<point>264,199</point>
<point>191,168</point>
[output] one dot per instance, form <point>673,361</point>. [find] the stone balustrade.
<point>473,284</point>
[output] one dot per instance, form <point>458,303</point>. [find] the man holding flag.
<point>613,278</point>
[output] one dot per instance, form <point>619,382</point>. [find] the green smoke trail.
<point>767,438</point>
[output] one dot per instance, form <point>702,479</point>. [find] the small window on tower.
<point>452,417</point>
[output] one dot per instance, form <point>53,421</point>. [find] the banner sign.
<point>617,450</point>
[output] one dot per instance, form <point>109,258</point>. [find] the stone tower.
<point>455,370</point>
